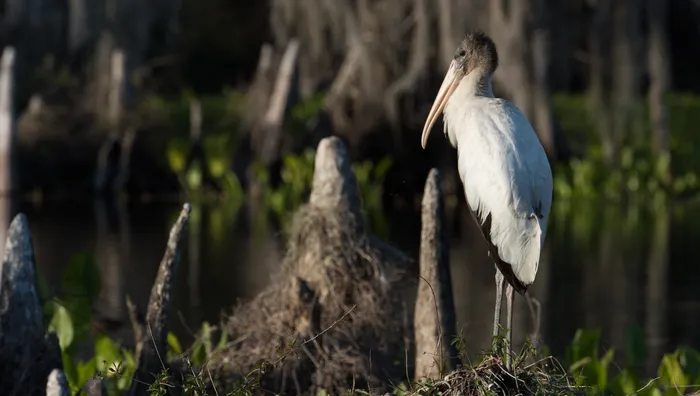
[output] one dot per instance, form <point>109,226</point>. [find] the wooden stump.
<point>434,321</point>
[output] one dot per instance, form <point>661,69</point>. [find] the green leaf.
<point>69,368</point>
<point>635,346</point>
<point>584,345</point>
<point>174,344</point>
<point>625,383</point>
<point>206,337</point>
<point>381,169</point>
<point>602,369</point>
<point>106,350</point>
<point>85,371</point>
<point>129,366</point>
<point>199,355</point>
<point>689,360</point>
<point>81,278</point>
<point>42,286</point>
<point>223,340</point>
<point>194,176</point>
<point>671,373</point>
<point>62,324</point>
<point>653,392</point>
<point>177,154</point>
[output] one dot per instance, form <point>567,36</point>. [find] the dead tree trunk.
<point>27,354</point>
<point>657,303</point>
<point>521,32</point>
<point>152,345</point>
<point>111,253</point>
<point>7,120</point>
<point>541,96</point>
<point>7,138</point>
<point>600,106</point>
<point>658,61</point>
<point>280,101</point>
<point>30,360</point>
<point>627,45</point>
<point>106,168</point>
<point>434,320</point>
<point>417,63</point>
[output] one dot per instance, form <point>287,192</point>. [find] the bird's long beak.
<point>449,84</point>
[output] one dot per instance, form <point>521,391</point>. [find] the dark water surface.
<point>613,270</point>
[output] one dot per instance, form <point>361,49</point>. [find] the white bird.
<point>504,169</point>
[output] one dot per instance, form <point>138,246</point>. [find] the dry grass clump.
<point>491,378</point>
<point>332,319</point>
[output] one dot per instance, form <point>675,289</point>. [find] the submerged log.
<point>152,345</point>
<point>434,321</point>
<point>27,354</point>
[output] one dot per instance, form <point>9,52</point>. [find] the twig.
<point>438,343</point>
<point>329,327</point>
<point>645,386</point>
<point>212,381</point>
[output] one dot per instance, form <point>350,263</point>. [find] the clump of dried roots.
<point>332,319</point>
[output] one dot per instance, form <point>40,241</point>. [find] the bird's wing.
<point>508,183</point>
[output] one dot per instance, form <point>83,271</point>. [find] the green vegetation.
<point>635,175</point>
<point>297,176</point>
<point>585,370</point>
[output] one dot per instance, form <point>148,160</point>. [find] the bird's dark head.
<point>475,57</point>
<point>476,51</point>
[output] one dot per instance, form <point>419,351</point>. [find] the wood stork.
<point>504,169</point>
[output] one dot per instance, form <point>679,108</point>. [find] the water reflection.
<point>610,269</point>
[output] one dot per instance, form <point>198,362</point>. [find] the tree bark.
<point>7,120</point>
<point>658,60</point>
<point>524,61</point>
<point>153,344</point>
<point>598,86</point>
<point>27,355</point>
<point>627,44</point>
<point>435,319</point>
<point>283,96</point>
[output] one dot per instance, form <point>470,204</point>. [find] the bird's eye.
<point>461,53</point>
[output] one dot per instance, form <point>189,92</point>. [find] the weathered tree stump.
<point>27,354</point>
<point>30,360</point>
<point>335,314</point>
<point>152,345</point>
<point>434,320</point>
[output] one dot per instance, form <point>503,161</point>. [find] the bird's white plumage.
<point>505,173</point>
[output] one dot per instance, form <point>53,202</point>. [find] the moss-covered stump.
<point>335,316</point>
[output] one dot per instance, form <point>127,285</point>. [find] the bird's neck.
<point>476,83</point>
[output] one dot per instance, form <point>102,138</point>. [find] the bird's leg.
<point>499,296</point>
<point>509,325</point>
